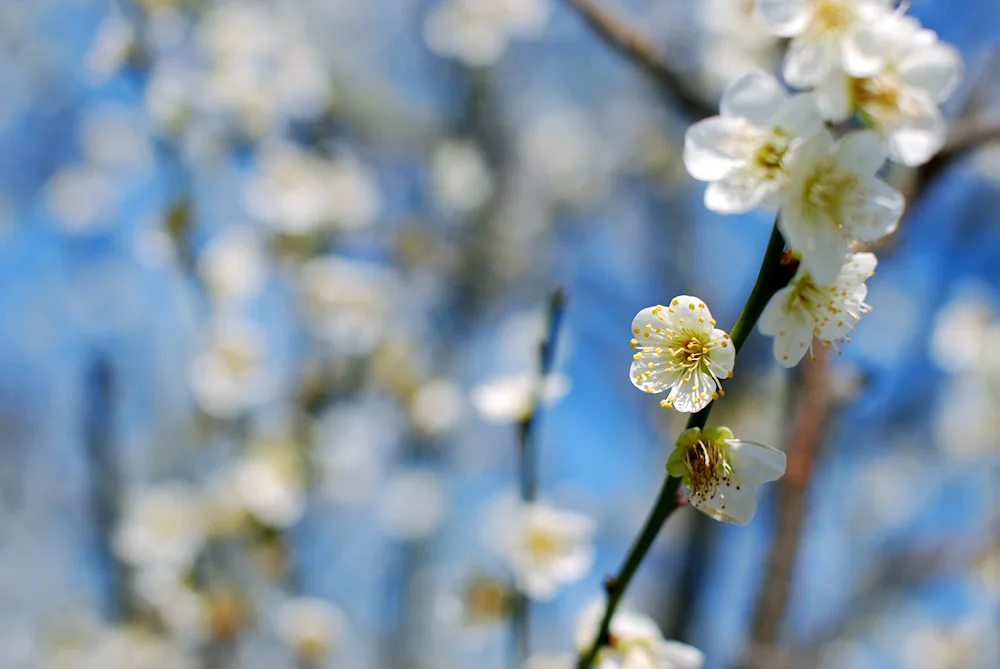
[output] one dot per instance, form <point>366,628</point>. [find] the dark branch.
<point>637,47</point>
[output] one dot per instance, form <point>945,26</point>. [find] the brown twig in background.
<point>637,47</point>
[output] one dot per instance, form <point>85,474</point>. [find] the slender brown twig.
<point>637,47</point>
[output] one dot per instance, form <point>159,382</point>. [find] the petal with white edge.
<point>785,18</point>
<point>936,69</point>
<point>677,655</point>
<point>736,193</point>
<point>731,504</point>
<point>755,96</point>
<point>833,97</point>
<point>792,342</point>
<point>798,117</point>
<point>688,313</point>
<point>817,237</point>
<point>808,62</point>
<point>654,379</point>
<point>918,140</point>
<point>858,268</point>
<point>805,154</point>
<point>862,53</point>
<point>649,325</point>
<point>713,147</point>
<point>723,354</point>
<point>756,463</point>
<point>773,318</point>
<point>860,152</point>
<point>687,397</point>
<point>877,217</point>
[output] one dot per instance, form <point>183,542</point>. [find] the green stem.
<point>528,463</point>
<point>772,277</point>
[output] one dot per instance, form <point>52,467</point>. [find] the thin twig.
<point>528,463</point>
<point>637,47</point>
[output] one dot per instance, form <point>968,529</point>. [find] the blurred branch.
<point>106,486</point>
<point>631,42</point>
<point>528,464</point>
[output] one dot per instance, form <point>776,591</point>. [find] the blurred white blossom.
<point>636,642</point>
<point>735,40</point>
<point>562,151</point>
<point>546,547</point>
<point>461,179</point>
<point>81,197</point>
<point>234,264</point>
<point>269,482</point>
<point>436,406</point>
<point>477,32</point>
<point>314,629</point>
<point>505,399</point>
<point>230,375</point>
<point>162,525</point>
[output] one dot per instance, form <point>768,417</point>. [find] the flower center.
<point>833,16</point>
<point>828,191</point>
<point>541,544</point>
<point>769,157</point>
<point>689,354</point>
<point>486,599</point>
<point>707,469</point>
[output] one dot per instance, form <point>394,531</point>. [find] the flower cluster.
<point>769,148</point>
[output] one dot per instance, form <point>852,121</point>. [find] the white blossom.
<point>234,264</point>
<point>679,349</point>
<point>635,642</point>
<point>827,35</point>
<point>269,482</point>
<point>461,178</point>
<point>230,375</point>
<point>412,505</point>
<point>545,546</point>
<point>505,399</point>
<point>313,628</point>
<point>723,473</point>
<point>901,99</point>
<point>735,41</point>
<point>477,32</point>
<point>803,310</point>
<point>835,199</point>
<point>163,525</point>
<point>743,151</point>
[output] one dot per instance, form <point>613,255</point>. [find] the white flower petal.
<point>755,96</point>
<point>773,318</point>
<point>687,312</point>
<point>756,463</point>
<point>712,147</point>
<point>877,217</point>
<point>785,18</point>
<point>731,504</point>
<point>690,398</point>
<point>723,354</point>
<point>647,325</point>
<point>819,241</point>
<point>798,116</point>
<point>792,342</point>
<point>860,152</point>
<point>738,192</point>
<point>654,379</point>
<point>862,51</point>
<point>677,655</point>
<point>833,97</point>
<point>808,62</point>
<point>918,140</point>
<point>936,69</point>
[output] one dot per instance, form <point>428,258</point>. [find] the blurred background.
<point>273,278</point>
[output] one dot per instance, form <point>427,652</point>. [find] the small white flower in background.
<point>900,101</point>
<point>82,198</point>
<point>736,40</point>
<point>113,40</point>
<point>835,199</point>
<point>178,606</point>
<point>545,546</point>
<point>230,375</point>
<point>313,628</point>
<point>134,648</point>
<point>347,302</point>
<point>233,264</point>
<point>270,484</point>
<point>461,178</point>
<point>743,151</point>
<point>635,642</point>
<point>353,443</point>
<point>827,35</point>
<point>116,136</point>
<point>412,505</point>
<point>723,473</point>
<point>163,525</point>
<point>966,336</point>
<point>679,349</point>
<point>803,310</point>
<point>477,31</point>
<point>436,407</point>
<point>506,399</point>
<point>565,154</point>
